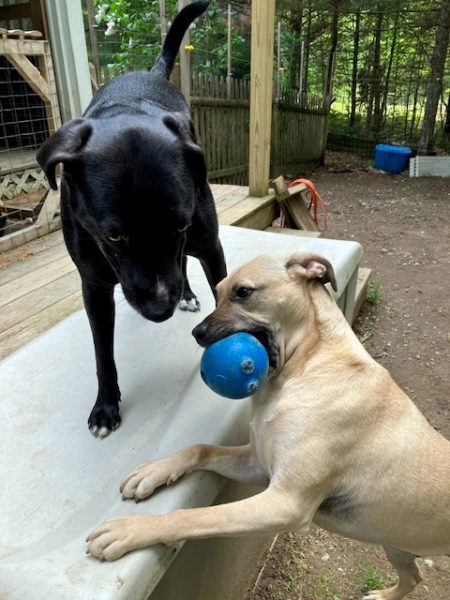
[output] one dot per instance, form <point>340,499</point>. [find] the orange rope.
<point>316,201</point>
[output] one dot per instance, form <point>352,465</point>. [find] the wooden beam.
<point>263,24</point>
<point>21,46</point>
<point>185,61</point>
<point>31,75</point>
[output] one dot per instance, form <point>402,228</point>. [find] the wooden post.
<point>229,72</point>
<point>263,23</point>
<point>277,98</point>
<point>94,41</point>
<point>185,62</point>
<point>68,41</point>
<point>162,20</point>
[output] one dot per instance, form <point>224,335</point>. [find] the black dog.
<point>134,202</point>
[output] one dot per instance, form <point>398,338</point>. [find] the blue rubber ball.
<point>235,366</point>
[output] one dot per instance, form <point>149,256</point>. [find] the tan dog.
<point>332,437</point>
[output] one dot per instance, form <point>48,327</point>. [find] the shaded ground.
<point>404,227</point>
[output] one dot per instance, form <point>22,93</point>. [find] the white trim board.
<point>429,166</point>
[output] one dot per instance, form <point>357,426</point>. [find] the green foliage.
<point>130,37</point>
<point>130,31</point>
<point>390,94</point>
<point>373,294</point>
<point>371,579</point>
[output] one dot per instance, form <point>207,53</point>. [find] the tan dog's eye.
<point>243,292</point>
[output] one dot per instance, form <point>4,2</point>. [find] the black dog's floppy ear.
<point>64,146</point>
<point>193,154</point>
<point>196,161</point>
<point>312,266</point>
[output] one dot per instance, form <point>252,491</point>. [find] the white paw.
<point>192,305</point>
<point>99,432</point>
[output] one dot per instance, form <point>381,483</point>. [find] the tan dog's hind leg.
<point>234,462</point>
<point>408,576</point>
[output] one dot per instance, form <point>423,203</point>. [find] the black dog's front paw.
<point>103,419</point>
<point>189,302</point>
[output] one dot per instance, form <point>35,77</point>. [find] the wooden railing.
<point>221,113</point>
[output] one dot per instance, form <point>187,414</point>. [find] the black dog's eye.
<point>243,292</point>
<point>115,238</point>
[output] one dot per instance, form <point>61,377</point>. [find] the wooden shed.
<point>43,82</point>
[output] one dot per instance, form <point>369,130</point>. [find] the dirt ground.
<point>404,226</point>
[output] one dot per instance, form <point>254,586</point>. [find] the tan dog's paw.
<point>114,538</point>
<point>143,480</point>
<point>392,593</point>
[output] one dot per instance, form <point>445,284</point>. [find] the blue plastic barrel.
<point>393,159</point>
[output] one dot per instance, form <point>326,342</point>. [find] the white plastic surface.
<point>57,482</point>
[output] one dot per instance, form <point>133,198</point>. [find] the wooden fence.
<point>221,113</point>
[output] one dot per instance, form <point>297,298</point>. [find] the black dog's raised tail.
<point>166,59</point>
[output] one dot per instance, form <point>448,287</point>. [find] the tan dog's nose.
<point>199,333</point>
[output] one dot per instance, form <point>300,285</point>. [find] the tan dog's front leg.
<point>269,511</point>
<point>235,462</point>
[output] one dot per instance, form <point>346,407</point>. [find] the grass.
<point>325,589</point>
<point>371,579</point>
<point>373,294</point>
<point>297,568</point>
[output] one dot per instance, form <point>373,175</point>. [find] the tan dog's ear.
<point>312,266</point>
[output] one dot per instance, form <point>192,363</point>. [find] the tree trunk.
<point>416,98</point>
<point>447,118</point>
<point>434,89</point>
<point>355,68</point>
<point>388,73</point>
<point>377,76</point>
<point>295,24</point>
<point>408,95</point>
<point>304,98</point>
<point>334,42</point>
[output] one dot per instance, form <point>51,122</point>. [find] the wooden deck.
<point>39,285</point>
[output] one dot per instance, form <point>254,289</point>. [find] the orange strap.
<point>316,201</point>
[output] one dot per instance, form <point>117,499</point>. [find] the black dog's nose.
<point>199,332</point>
<point>156,313</point>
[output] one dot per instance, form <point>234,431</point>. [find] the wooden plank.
<point>246,211</point>
<point>51,205</point>
<point>17,238</point>
<point>263,24</point>
<point>300,214</point>
<point>292,204</point>
<point>299,232</point>
<point>31,75</point>
<point>23,47</point>
<point>25,331</point>
<point>35,279</point>
<point>234,198</point>
<point>220,191</point>
<point>20,261</point>
<point>362,285</point>
<point>38,299</point>
<point>260,218</point>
